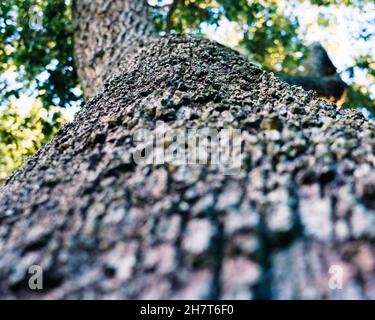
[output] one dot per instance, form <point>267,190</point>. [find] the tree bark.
<point>105,31</point>
<point>103,226</point>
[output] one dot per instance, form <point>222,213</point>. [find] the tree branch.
<point>172,9</point>
<point>329,87</point>
<point>321,75</point>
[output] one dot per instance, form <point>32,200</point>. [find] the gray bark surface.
<point>105,31</point>
<point>102,226</point>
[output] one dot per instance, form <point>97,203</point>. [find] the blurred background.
<point>39,87</point>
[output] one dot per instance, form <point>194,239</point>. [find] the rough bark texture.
<point>102,226</point>
<point>104,32</point>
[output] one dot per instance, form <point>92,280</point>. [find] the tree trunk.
<point>105,31</point>
<point>102,225</point>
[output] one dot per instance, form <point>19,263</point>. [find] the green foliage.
<point>36,42</point>
<point>359,96</point>
<point>339,2</point>
<point>36,38</point>
<point>22,134</point>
